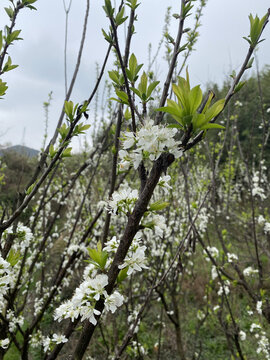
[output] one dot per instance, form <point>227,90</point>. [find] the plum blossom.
<point>242,335</point>
<point>83,301</point>
<point>259,307</point>
<point>135,261</point>
<point>200,315</point>
<point>250,271</point>
<point>58,339</point>
<point>263,346</point>
<point>4,343</point>
<point>232,257</point>
<point>122,201</point>
<point>224,289</point>
<point>253,327</point>
<point>266,228</point>
<point>257,189</point>
<point>6,279</point>
<point>214,273</point>
<point>213,252</point>
<point>151,141</point>
<point>112,245</point>
<point>113,301</point>
<point>164,183</point>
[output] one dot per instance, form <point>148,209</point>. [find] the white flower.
<point>58,339</point>
<point>4,343</point>
<point>151,141</point>
<point>97,285</point>
<point>249,271</point>
<point>266,228</point>
<point>224,289</point>
<point>164,183</point>
<point>202,220</point>
<point>214,273</point>
<point>242,335</point>
<point>112,245</point>
<point>215,308</point>
<point>89,313</point>
<point>254,326</point>
<point>232,257</point>
<point>263,346</point>
<point>113,301</point>
<point>261,219</point>
<point>238,103</point>
<point>213,252</point>
<point>46,343</point>
<point>200,315</point>
<point>129,140</point>
<point>257,189</point>
<point>259,307</point>
<point>123,201</point>
<point>135,261</point>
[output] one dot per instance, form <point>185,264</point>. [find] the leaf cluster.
<point>256,27</point>
<point>187,110</point>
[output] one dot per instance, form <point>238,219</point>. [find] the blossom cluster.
<point>262,340</point>
<point>266,224</point>
<point>135,259</point>
<point>122,201</point>
<point>213,251</point>
<point>151,141</point>
<point>257,183</point>
<point>83,301</point>
<point>6,279</point>
<point>56,339</point>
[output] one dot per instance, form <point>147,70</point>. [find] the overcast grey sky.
<point>40,55</point>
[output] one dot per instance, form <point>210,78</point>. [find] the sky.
<point>40,55</point>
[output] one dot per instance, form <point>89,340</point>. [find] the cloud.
<point>41,54</point>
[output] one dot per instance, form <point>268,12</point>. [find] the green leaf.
<point>114,76</point>
<point>108,8</point>
<point>133,4</point>
<point>15,35</point>
<point>122,96</point>
<point>195,98</point>
<point>8,66</point>
<point>63,131</point>
<point>69,110</point>
<point>119,19</point>
<point>198,121</point>
<point>9,12</point>
<point>29,190</point>
<point>214,110</point>
<point>107,36</point>
<point>212,126</point>
<point>143,84</point>
<point>52,151</point>
<point>250,63</point>
<point>3,88</point>
<point>66,152</point>
<point>151,88</point>
<point>158,205</point>
<point>136,91</point>
<point>127,114</point>
<point>98,256</point>
<point>239,86</point>
<point>13,257</point>
<point>122,275</point>
<point>133,64</point>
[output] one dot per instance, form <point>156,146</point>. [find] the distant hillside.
<point>23,150</point>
